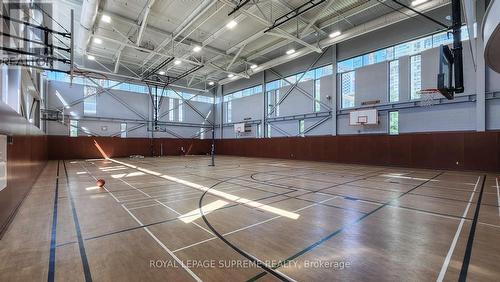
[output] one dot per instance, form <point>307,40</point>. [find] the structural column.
<point>334,95</point>
<point>219,94</point>
<point>263,122</point>
<point>480,73</point>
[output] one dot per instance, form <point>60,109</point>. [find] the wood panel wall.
<point>65,148</point>
<point>442,150</point>
<point>26,158</point>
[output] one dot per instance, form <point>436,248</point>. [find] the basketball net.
<point>428,97</point>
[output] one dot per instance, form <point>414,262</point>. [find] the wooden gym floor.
<point>264,219</point>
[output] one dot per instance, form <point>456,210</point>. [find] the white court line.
<point>446,262</point>
<point>153,236</point>
<point>173,201</point>
<point>498,196</point>
<point>176,212</point>
<point>165,247</point>
<point>252,225</point>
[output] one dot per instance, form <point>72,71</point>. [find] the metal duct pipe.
<point>87,20</point>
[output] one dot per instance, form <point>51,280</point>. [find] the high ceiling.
<point>144,33</point>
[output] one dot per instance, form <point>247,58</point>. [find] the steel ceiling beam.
<point>144,22</point>
<point>378,23</point>
<point>295,13</point>
<point>316,18</point>
<point>188,21</point>
<point>293,38</point>
<point>239,6</point>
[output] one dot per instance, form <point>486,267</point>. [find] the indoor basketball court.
<point>250,140</point>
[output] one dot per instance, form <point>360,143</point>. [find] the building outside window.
<point>394,81</point>
<point>73,128</point>
<point>171,109</point>
<point>123,130</point>
<point>90,102</point>
<point>229,112</point>
<point>415,76</point>
<point>347,89</point>
<point>277,99</point>
<point>301,127</point>
<point>181,110</point>
<point>270,103</point>
<point>317,95</point>
<point>394,123</point>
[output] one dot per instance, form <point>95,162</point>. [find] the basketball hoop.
<point>428,97</point>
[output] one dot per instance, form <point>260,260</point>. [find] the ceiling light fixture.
<point>161,73</point>
<point>231,24</point>
<point>418,2</point>
<point>334,34</point>
<point>106,18</point>
<point>211,83</point>
<point>254,66</point>
<point>90,57</point>
<point>197,49</point>
<point>290,52</point>
<point>230,75</point>
<point>177,62</point>
<point>97,40</point>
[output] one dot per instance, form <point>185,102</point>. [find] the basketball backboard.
<point>445,74</point>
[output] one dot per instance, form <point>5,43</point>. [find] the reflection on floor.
<point>260,219</point>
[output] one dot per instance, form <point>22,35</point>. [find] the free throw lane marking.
<point>455,238</point>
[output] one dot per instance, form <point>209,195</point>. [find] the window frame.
<point>73,128</point>
<point>389,82</point>
<point>342,89</point>
<point>416,95</point>
<point>389,119</point>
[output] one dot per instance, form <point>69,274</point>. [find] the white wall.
<point>110,113</point>
<point>371,83</point>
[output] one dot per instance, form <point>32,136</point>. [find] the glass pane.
<point>394,81</point>
<point>393,123</point>
<point>347,89</point>
<point>317,95</point>
<point>415,77</point>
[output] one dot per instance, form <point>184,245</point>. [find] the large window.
<point>317,95</point>
<point>123,130</point>
<point>394,81</point>
<point>243,93</point>
<point>129,87</point>
<point>270,102</point>
<point>415,76</point>
<point>313,74</point>
<point>404,49</point>
<point>229,111</point>
<point>269,130</point>
<point>90,102</point>
<point>181,110</point>
<point>347,89</point>
<point>302,127</point>
<point>171,109</point>
<point>73,128</point>
<point>277,99</point>
<point>394,123</point>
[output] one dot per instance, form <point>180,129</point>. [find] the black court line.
<point>83,254</point>
<point>238,250</point>
<point>52,255</point>
<point>336,232</point>
<point>248,256</point>
<point>348,197</point>
<point>470,241</point>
